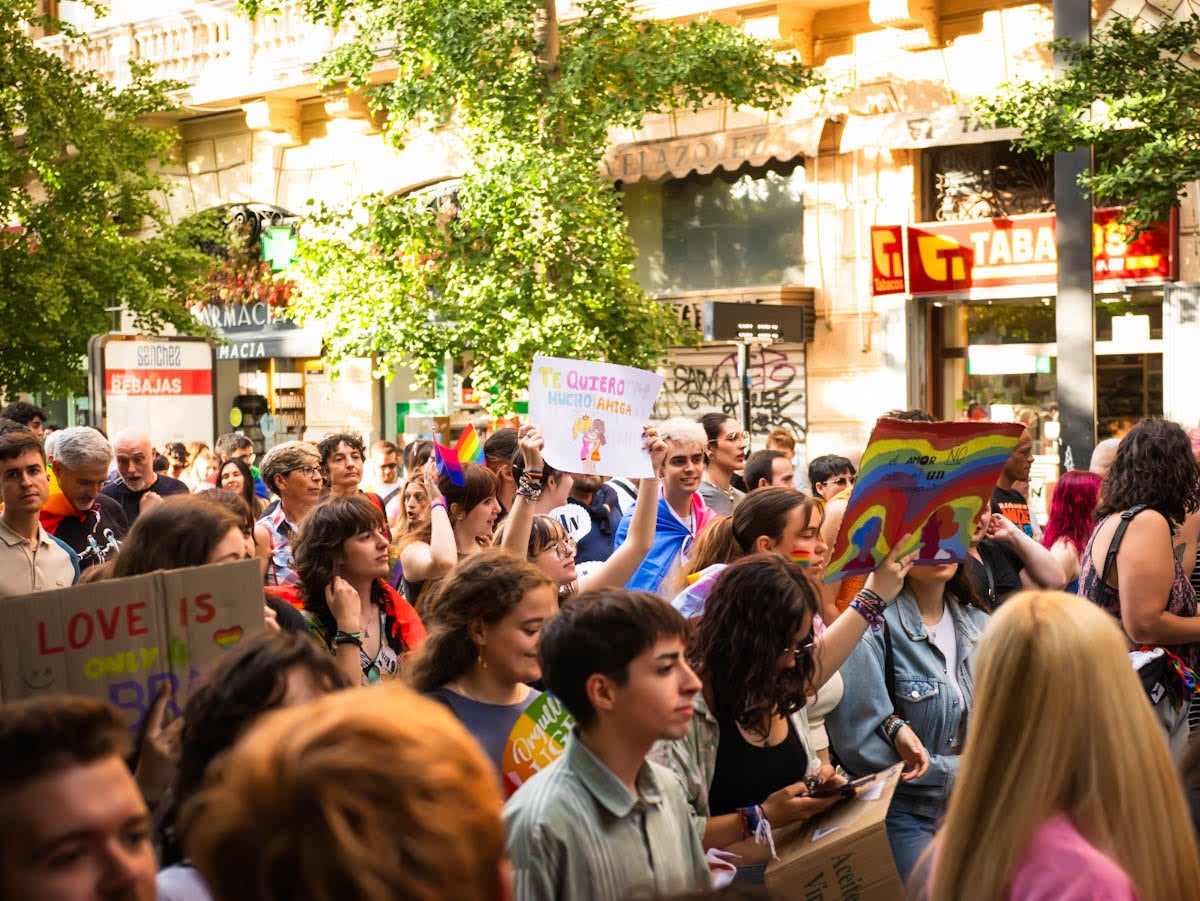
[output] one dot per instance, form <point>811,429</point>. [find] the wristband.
<point>892,725</point>
<point>868,611</point>
<point>873,596</point>
<point>756,825</point>
<point>529,488</point>
<point>535,474</point>
<point>341,638</point>
<point>440,502</point>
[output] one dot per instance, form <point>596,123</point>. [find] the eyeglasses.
<point>564,549</point>
<point>840,480</point>
<point>800,652</point>
<point>732,437</point>
<point>307,471</point>
<point>245,458</point>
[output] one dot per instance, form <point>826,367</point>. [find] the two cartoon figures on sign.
<point>591,433</point>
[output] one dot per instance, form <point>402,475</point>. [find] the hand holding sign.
<point>920,488</point>
<point>592,414</point>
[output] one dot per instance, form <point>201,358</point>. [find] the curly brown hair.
<point>756,607</point>
<point>1154,467</point>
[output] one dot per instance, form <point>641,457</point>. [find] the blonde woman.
<point>1066,789</point>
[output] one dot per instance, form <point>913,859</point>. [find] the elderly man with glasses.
<point>292,471</point>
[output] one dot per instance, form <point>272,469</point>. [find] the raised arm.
<point>420,561</point>
<point>519,523</point>
<point>1040,570</point>
<point>624,561</point>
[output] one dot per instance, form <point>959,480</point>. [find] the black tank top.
<point>745,774</point>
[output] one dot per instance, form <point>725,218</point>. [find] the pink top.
<point>1060,865</point>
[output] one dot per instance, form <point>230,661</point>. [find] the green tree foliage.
<point>1132,94</point>
<point>77,176</point>
<point>531,254</point>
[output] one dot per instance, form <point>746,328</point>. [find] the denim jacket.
<point>923,697</point>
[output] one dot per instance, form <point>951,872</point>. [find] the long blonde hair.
<point>1061,724</point>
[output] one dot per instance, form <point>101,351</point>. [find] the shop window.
<point>984,181</point>
<point>722,230</point>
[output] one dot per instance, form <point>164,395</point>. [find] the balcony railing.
<point>217,53</point>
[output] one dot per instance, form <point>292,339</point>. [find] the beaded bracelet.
<point>891,726</point>
<point>868,611</point>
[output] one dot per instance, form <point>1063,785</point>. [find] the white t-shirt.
<point>946,641</point>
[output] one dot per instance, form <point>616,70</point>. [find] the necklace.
<point>932,629</point>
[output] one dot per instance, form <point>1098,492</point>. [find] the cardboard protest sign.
<point>591,415</point>
<point>536,741</point>
<point>119,639</point>
<point>843,853</point>
<point>925,479</point>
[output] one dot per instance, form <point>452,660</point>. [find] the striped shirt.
<point>575,831</point>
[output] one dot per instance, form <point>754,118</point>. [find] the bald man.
<point>139,486</point>
<point>1103,456</point>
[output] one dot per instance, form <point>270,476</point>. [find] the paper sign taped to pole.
<point>925,479</point>
<point>591,415</point>
<point>117,640</point>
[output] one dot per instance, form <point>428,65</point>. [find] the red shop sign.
<point>887,259</point>
<point>954,257</point>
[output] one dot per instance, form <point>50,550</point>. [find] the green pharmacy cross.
<point>279,247</point>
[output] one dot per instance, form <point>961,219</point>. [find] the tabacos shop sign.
<point>958,257</point>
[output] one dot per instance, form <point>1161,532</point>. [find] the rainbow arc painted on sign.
<point>468,449</point>
<point>926,480</point>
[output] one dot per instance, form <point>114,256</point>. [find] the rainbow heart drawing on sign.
<point>227,638</point>
<point>536,741</point>
<point>925,479</point>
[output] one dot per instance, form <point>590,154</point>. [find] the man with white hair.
<point>139,486</point>
<point>1103,456</point>
<point>77,514</point>
<point>682,513</point>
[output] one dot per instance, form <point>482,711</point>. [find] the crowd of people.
<point>710,688</point>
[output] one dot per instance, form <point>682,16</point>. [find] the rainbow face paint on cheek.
<point>801,556</point>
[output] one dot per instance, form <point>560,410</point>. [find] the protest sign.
<point>925,479</point>
<point>591,415</point>
<point>119,639</point>
<point>536,741</point>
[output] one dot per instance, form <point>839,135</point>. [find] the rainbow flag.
<point>928,480</point>
<point>450,460</point>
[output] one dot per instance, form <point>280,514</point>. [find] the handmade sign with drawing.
<point>928,480</point>
<point>119,639</point>
<point>591,415</point>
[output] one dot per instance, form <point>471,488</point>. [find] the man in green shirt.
<point>602,822</point>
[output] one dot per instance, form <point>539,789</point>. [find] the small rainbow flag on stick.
<point>468,449</point>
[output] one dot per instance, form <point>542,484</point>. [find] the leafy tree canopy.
<point>531,252</point>
<point>77,181</point>
<point>1132,94</point>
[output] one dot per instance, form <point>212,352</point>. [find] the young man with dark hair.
<point>602,822</point>
<point>31,559</point>
<point>830,474</point>
<point>769,469</point>
<point>29,415</point>
<point>73,824</point>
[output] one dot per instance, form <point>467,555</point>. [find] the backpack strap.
<point>1111,557</point>
<point>889,665</point>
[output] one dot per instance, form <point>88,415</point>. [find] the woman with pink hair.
<point>1072,516</point>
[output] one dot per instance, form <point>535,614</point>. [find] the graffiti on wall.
<point>700,380</point>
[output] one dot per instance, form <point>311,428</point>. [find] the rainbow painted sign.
<point>929,480</point>
<point>536,741</point>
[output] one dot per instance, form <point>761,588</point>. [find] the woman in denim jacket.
<point>937,616</point>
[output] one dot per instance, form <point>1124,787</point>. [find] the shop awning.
<point>728,150</point>
<point>938,127</point>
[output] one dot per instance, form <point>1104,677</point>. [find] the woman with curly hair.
<point>263,673</point>
<point>1151,488</point>
<point>342,561</point>
<point>482,649</point>
<point>746,755</point>
<point>1072,517</point>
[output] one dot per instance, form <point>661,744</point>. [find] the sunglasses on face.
<point>732,437</point>
<point>841,481</point>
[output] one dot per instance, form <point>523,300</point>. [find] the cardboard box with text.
<point>842,855</point>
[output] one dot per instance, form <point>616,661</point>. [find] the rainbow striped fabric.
<point>468,449</point>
